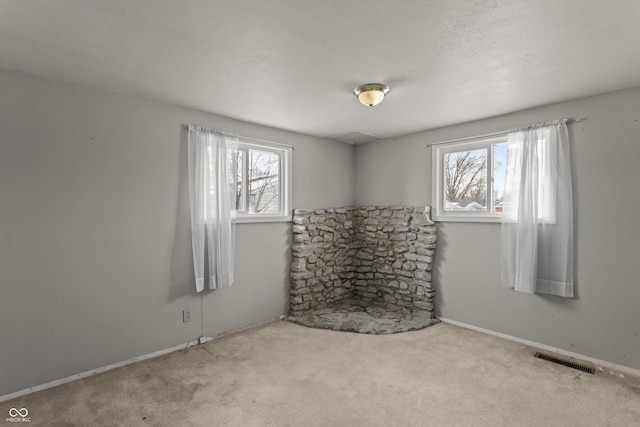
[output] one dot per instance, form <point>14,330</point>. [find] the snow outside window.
<point>469,179</point>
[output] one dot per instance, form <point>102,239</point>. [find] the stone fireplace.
<point>363,269</point>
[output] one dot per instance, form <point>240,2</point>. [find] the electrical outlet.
<point>186,316</point>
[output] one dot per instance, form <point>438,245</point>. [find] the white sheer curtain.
<point>211,192</point>
<point>537,225</point>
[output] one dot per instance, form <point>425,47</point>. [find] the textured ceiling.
<point>293,64</point>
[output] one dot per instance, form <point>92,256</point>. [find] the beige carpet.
<point>283,374</point>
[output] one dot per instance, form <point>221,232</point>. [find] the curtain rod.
<point>486,135</point>
<point>246,138</point>
<point>264,140</point>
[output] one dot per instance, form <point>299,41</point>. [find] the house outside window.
<point>468,179</point>
<point>263,181</point>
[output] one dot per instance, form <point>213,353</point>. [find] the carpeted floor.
<point>283,374</point>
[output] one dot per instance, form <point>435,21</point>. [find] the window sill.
<point>258,219</point>
<point>460,218</point>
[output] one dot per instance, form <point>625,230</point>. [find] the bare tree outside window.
<point>235,169</point>
<point>264,181</point>
<point>469,179</point>
<point>259,177</point>
<point>466,180</point>
<point>257,180</point>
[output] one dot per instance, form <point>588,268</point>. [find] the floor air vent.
<point>579,367</point>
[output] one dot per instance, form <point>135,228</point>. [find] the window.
<point>263,181</point>
<point>469,178</point>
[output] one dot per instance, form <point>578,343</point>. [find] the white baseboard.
<point>600,363</point>
<point>613,368</point>
<point>92,372</point>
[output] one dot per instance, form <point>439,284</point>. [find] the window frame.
<point>438,180</point>
<point>284,179</point>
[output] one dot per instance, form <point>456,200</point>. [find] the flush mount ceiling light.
<point>371,94</point>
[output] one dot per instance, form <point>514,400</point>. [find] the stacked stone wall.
<point>380,255</point>
<point>394,258</point>
<point>323,251</point>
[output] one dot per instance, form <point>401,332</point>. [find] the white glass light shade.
<point>371,94</point>
<point>371,97</point>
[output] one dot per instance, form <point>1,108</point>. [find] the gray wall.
<point>604,320</point>
<point>95,264</point>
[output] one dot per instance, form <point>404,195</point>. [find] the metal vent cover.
<point>580,367</point>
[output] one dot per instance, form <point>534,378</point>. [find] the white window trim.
<point>285,180</point>
<point>437,194</point>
